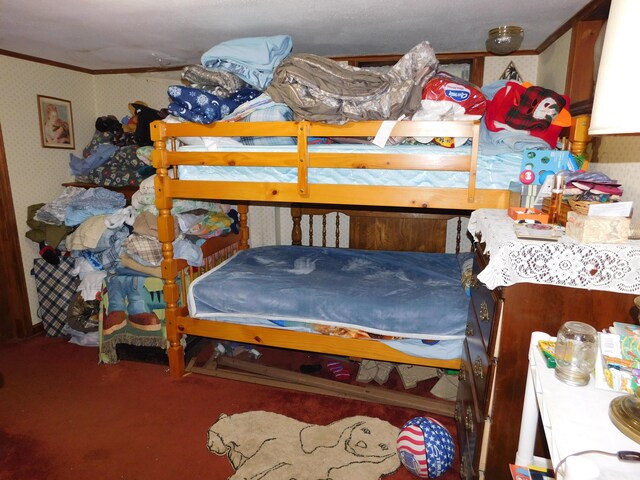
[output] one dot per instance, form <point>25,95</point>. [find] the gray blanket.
<point>320,89</point>
<point>217,82</point>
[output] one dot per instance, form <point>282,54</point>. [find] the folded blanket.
<point>252,59</point>
<point>93,201</point>
<point>217,82</point>
<point>199,106</point>
<point>321,89</point>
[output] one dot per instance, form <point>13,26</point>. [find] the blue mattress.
<point>412,301</point>
<point>493,171</point>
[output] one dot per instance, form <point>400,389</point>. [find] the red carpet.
<point>64,417</point>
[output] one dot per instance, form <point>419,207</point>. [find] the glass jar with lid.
<point>576,352</point>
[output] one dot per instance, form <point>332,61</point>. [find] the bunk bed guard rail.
<point>166,137</point>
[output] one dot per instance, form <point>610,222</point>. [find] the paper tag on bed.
<point>384,132</point>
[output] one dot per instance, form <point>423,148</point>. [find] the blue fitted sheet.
<point>493,172</point>
<point>413,302</point>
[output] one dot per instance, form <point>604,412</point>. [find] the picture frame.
<point>56,122</point>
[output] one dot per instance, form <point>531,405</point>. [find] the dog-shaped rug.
<point>269,446</point>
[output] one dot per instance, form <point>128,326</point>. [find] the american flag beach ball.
<point>425,447</point>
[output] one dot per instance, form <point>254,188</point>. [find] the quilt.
<point>131,313</point>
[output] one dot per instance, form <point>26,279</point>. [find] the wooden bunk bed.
<point>168,159</point>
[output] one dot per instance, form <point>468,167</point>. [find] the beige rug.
<point>269,446</point>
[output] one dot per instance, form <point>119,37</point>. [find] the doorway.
<point>15,316</point>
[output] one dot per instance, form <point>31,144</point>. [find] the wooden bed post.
<point>169,266</point>
<point>296,232</point>
<point>243,210</point>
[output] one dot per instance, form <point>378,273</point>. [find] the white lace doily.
<point>613,267</point>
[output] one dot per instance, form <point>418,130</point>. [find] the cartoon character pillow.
<point>535,109</point>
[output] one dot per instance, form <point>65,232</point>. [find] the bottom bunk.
<point>406,308</point>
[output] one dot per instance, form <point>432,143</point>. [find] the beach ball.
<point>425,447</point>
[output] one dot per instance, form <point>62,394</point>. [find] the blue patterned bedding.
<point>412,301</point>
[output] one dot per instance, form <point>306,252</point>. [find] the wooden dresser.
<point>493,377</point>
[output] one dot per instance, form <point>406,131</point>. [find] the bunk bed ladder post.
<point>473,167</point>
<point>303,159</point>
<point>169,266</point>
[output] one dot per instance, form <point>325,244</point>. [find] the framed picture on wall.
<point>56,122</point>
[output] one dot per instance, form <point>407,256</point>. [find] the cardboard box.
<point>521,213</point>
<point>586,229</point>
<point>537,165</point>
<point>524,195</point>
<point>531,201</point>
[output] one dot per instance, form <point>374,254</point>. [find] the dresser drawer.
<point>467,469</point>
<point>468,413</point>
<point>477,361</point>
<point>484,302</point>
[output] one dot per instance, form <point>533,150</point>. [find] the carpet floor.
<point>65,417</point>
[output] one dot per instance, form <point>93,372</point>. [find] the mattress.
<point>411,301</point>
<point>493,171</point>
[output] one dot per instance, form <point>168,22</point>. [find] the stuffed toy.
<point>144,116</point>
<point>130,122</point>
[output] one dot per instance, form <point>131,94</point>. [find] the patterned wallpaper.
<point>115,92</point>
<point>36,173</point>
<point>619,158</point>
<point>527,66</point>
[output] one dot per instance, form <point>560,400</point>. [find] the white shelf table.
<point>574,419</point>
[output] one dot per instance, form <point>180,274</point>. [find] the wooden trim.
<point>596,10</point>
<point>580,77</point>
<point>14,299</point>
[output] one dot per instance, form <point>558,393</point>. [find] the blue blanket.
<point>407,294</point>
<point>252,59</point>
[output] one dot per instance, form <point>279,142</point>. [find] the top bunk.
<point>191,163</point>
<point>345,146</point>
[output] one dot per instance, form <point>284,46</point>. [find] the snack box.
<point>523,213</point>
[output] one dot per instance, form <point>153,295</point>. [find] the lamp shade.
<point>616,104</point>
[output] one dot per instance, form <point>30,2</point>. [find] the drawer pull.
<point>469,330</point>
<point>464,467</point>
<point>456,413</point>
<point>468,420</point>
<point>484,312</point>
<point>478,371</point>
<point>462,376</point>
<point>473,282</point>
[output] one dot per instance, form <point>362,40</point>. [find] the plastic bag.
<point>445,87</point>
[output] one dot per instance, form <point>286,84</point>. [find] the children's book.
<point>530,473</point>
<point>519,473</point>
<point>625,329</point>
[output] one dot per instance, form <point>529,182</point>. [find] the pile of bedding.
<point>262,73</point>
<point>118,154</point>
<point>116,259</point>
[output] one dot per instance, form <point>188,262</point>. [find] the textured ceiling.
<point>99,34</point>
